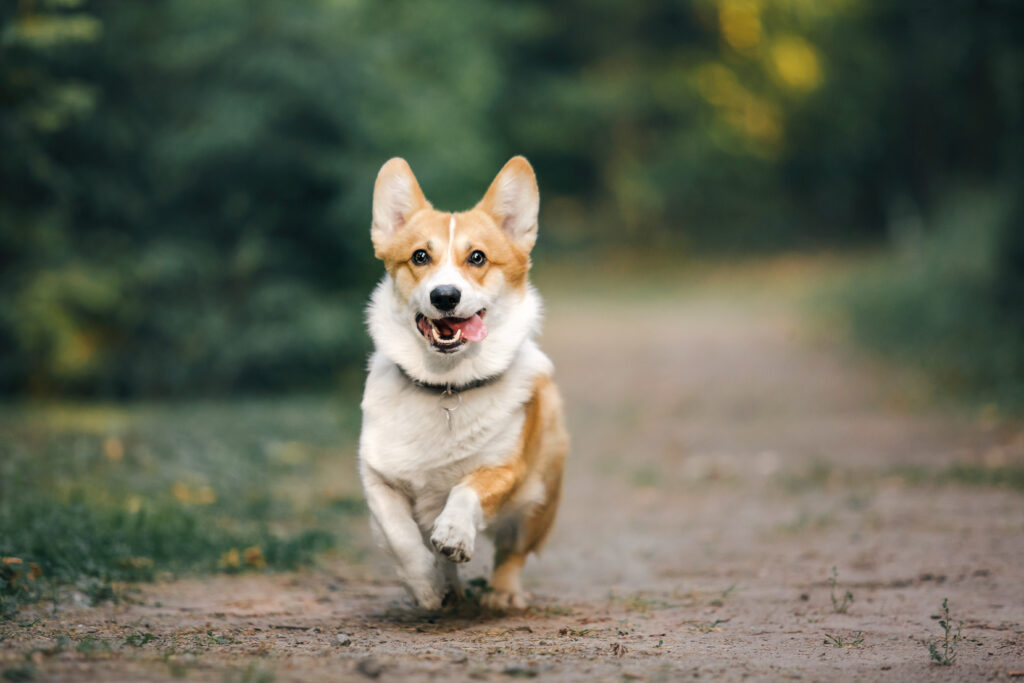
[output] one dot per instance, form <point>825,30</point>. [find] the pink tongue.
<point>473,329</point>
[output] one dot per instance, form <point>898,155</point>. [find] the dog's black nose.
<point>445,297</point>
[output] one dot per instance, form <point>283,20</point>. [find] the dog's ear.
<point>396,197</point>
<point>513,201</point>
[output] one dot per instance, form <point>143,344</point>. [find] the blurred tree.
<point>40,98</point>
<point>203,226</point>
<point>185,185</point>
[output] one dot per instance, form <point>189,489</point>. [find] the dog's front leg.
<point>471,503</point>
<point>417,565</point>
<point>454,533</point>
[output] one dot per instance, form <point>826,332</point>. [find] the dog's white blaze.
<point>450,258</point>
<point>449,274</point>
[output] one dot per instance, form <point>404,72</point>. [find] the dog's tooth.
<point>458,335</point>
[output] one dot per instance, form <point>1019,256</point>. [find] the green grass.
<point>90,496</point>
<point>822,475</point>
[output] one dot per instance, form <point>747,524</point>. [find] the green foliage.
<point>185,185</point>
<point>942,303</point>
<point>200,223</point>
<point>93,496</point>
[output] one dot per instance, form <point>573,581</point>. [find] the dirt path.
<point>722,466</point>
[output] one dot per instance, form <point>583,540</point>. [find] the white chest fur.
<point>406,438</point>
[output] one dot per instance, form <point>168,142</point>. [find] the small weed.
<point>97,590</point>
<point>625,627</point>
<point>707,626</point>
<point>17,674</point>
<point>577,632</point>
<point>840,606</point>
<point>139,639</point>
<point>90,647</point>
<point>719,602</point>
<point>551,611</point>
<point>840,641</point>
<point>943,650</point>
<point>214,639</point>
<point>638,602</point>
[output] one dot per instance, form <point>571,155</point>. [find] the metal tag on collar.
<point>450,402</point>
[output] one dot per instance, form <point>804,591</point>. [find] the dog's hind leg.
<point>513,541</point>
<point>506,589</point>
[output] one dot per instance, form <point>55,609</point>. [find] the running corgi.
<point>462,424</point>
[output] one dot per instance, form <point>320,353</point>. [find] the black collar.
<point>450,388</point>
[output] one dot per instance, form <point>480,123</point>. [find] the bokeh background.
<point>185,203</point>
<point>186,185</point>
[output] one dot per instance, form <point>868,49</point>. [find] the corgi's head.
<point>454,278</point>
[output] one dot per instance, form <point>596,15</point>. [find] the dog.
<point>463,429</point>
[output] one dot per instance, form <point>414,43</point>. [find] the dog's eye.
<point>477,258</point>
<point>420,257</point>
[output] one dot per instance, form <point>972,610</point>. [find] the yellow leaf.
<point>137,562</point>
<point>204,495</point>
<point>254,557</point>
<point>230,560</point>
<point>181,492</point>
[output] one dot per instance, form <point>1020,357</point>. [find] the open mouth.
<point>448,334</point>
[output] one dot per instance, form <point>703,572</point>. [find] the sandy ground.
<point>722,464</point>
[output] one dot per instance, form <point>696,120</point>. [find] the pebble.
<point>369,667</point>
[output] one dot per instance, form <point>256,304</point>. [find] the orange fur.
<point>544,444</point>
<point>428,229</point>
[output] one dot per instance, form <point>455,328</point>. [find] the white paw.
<point>453,539</point>
<point>503,601</point>
<point>425,582</point>
<point>426,594</point>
